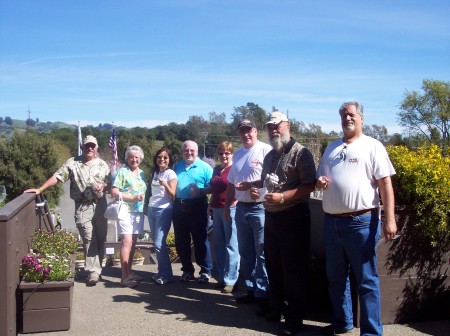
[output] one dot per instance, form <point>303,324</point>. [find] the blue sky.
<point>145,63</point>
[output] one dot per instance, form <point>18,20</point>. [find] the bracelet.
<point>40,190</point>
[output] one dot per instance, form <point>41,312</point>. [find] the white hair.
<point>134,149</point>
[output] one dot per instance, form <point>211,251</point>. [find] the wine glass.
<point>2,193</point>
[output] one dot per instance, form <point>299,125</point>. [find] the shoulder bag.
<point>117,209</point>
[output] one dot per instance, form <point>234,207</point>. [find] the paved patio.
<point>185,309</point>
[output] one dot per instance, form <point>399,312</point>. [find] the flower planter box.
<point>116,262</point>
<point>138,261</point>
<point>46,306</point>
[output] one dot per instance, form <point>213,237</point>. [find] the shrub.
<point>170,241</point>
<point>60,242</point>
<point>138,254</point>
<point>79,255</point>
<point>49,256</point>
<point>422,182</point>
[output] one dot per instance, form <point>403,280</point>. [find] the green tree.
<point>378,132</point>
<point>26,161</point>
<point>428,112</point>
<point>250,111</point>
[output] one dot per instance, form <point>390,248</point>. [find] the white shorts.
<point>135,225</point>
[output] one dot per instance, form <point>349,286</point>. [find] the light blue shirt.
<point>199,173</point>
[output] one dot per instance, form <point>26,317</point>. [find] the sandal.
<point>135,277</point>
<point>129,282</point>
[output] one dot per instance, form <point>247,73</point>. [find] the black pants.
<point>190,220</point>
<point>286,247</point>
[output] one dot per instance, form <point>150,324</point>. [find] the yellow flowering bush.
<point>422,183</point>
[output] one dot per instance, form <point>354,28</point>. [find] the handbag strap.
<point>120,199</point>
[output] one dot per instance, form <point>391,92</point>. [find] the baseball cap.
<point>276,118</point>
<point>246,123</point>
<point>90,139</point>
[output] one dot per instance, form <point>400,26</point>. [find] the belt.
<point>249,203</point>
<point>188,201</point>
<point>354,214</point>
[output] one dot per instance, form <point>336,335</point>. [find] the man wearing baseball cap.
<point>249,218</point>
<point>288,177</point>
<point>88,177</point>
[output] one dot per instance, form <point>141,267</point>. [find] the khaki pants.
<point>93,228</point>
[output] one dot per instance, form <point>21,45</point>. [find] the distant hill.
<point>6,131</point>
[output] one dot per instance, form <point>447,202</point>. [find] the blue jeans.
<point>226,246</point>
<point>191,220</point>
<point>250,233</point>
<point>160,220</point>
<point>350,242</point>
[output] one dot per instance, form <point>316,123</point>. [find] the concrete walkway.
<point>184,309</point>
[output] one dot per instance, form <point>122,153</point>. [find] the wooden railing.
<point>18,220</point>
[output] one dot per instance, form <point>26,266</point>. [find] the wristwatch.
<point>282,198</point>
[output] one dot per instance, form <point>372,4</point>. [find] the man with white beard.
<point>289,176</point>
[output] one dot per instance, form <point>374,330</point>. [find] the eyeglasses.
<point>224,153</point>
<point>274,127</point>
<point>160,157</point>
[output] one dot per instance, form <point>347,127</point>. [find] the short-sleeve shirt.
<point>218,184</point>
<point>81,174</point>
<point>294,167</point>
<point>353,170</point>
<point>160,197</point>
<point>131,184</point>
<point>247,167</point>
<point>199,173</point>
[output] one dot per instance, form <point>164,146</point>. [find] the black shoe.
<point>330,330</point>
<point>292,328</point>
<point>246,298</point>
<point>273,316</point>
<point>219,285</point>
<point>262,306</point>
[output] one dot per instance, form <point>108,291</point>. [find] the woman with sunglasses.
<point>159,212</point>
<point>224,232</point>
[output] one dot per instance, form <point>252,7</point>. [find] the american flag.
<point>113,145</point>
<point>80,141</point>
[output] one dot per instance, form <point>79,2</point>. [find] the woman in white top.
<point>159,212</point>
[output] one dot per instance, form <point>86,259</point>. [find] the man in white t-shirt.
<point>247,168</point>
<point>352,173</point>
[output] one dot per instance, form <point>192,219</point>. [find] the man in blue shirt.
<point>190,218</point>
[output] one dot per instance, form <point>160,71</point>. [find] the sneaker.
<point>229,289</point>
<point>330,330</point>
<point>204,278</point>
<point>161,280</point>
<point>246,298</point>
<point>93,278</point>
<point>186,277</point>
<point>155,277</point>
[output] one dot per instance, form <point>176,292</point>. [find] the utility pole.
<point>29,118</point>
<point>205,141</point>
